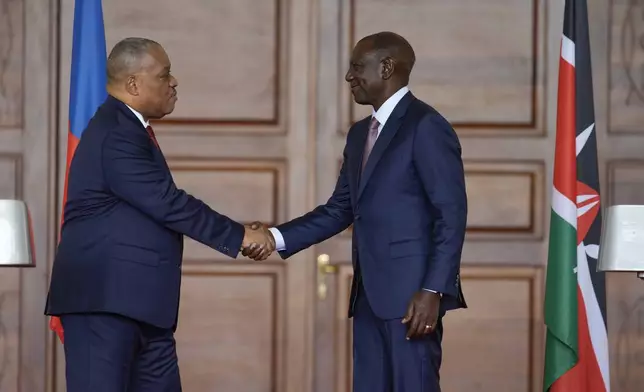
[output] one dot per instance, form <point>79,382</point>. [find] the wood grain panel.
<point>625,296</point>
<point>225,54</point>
<point>474,84</point>
<point>626,331</point>
<point>505,199</point>
<point>626,181</point>
<point>626,65</point>
<point>9,329</point>
<point>229,329</point>
<point>245,191</point>
<point>10,175</point>
<point>496,341</point>
<point>11,63</point>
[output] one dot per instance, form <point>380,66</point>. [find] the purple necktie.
<point>371,140</point>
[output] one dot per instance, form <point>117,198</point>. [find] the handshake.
<point>258,242</point>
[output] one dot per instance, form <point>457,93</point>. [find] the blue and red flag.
<point>87,89</point>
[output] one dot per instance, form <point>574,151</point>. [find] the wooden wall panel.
<point>229,330</point>
<point>625,181</point>
<point>498,338</point>
<point>625,292</point>
<point>12,18</point>
<point>476,85</point>
<point>244,190</point>
<point>225,54</point>
<point>9,330</point>
<point>506,199</point>
<point>10,175</point>
<point>626,65</point>
<point>26,166</point>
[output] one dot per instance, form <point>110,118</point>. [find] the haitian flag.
<point>87,90</point>
<point>576,357</point>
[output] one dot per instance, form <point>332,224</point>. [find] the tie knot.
<point>373,126</point>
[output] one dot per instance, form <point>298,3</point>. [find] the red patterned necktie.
<point>151,133</point>
<point>371,140</point>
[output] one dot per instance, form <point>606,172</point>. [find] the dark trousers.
<point>111,353</point>
<point>384,361</point>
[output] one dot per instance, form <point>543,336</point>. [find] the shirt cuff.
<point>434,291</point>
<point>279,239</point>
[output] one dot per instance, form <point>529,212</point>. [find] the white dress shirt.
<point>138,115</point>
<point>382,115</point>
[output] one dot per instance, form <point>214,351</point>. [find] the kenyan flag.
<point>576,358</point>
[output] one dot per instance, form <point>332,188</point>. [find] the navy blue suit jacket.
<point>122,240</point>
<point>408,209</point>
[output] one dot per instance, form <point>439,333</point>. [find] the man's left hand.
<point>422,314</point>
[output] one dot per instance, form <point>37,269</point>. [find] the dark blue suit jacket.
<point>122,240</point>
<point>408,209</point>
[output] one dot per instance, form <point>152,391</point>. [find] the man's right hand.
<point>258,241</point>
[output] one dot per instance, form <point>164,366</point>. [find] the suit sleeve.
<point>323,222</point>
<point>437,159</point>
<point>133,175</point>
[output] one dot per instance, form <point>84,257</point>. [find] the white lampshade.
<point>16,238</point>
<point>622,241</point>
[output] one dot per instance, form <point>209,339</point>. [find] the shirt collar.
<point>388,107</point>
<point>138,115</point>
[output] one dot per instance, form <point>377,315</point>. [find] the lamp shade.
<point>16,238</point>
<point>622,241</point>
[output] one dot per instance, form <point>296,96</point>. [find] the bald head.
<point>387,44</point>
<point>380,65</point>
<point>126,58</point>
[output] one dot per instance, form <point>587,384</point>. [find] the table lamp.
<point>16,238</point>
<point>622,240</point>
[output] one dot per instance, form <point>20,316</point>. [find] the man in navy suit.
<point>117,273</point>
<point>402,187</point>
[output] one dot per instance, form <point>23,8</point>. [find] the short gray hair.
<point>125,57</point>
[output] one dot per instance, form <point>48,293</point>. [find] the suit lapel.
<point>386,135</point>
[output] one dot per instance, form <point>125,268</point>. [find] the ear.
<point>131,85</point>
<point>387,66</point>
